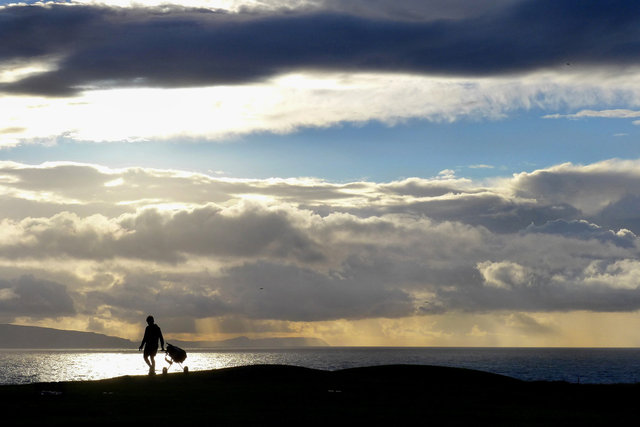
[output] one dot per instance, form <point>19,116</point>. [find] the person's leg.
<point>153,363</point>
<point>146,360</point>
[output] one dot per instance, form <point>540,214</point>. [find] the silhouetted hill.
<point>244,342</point>
<point>14,336</point>
<point>265,395</point>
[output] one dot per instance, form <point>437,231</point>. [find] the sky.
<point>375,173</point>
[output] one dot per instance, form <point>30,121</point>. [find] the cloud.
<point>290,293</point>
<point>291,101</point>
<point>585,230</point>
<point>409,10</point>
<point>489,209</point>
<point>191,246</point>
<point>8,131</point>
<point>589,188</point>
<point>101,47</point>
<point>412,10</point>
<point>528,325</point>
<point>608,114</point>
<point>162,236</point>
<point>621,213</point>
<point>36,298</point>
<point>504,274</point>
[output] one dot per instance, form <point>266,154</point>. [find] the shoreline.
<point>290,395</point>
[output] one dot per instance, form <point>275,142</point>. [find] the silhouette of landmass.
<point>15,336</point>
<point>286,395</point>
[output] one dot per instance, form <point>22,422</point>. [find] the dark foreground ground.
<point>285,395</point>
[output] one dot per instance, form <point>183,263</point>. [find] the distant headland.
<point>15,336</point>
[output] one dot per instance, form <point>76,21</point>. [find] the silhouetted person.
<point>152,334</point>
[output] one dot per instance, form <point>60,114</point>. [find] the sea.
<point>573,365</point>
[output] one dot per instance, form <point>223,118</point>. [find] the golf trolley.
<point>177,355</point>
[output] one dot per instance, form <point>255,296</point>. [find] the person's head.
<point>150,320</point>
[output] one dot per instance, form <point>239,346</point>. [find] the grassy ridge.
<point>286,395</point>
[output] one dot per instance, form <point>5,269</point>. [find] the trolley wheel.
<point>164,371</point>
<point>186,369</point>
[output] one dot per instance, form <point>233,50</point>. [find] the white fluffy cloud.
<point>289,102</point>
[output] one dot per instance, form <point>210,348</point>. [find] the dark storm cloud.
<point>106,47</point>
<point>37,298</point>
<point>140,293</point>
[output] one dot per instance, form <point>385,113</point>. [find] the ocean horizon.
<point>573,365</point>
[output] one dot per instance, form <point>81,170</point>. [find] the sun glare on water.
<point>30,366</point>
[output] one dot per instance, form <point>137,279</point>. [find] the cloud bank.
<point>215,70</point>
<point>115,244</point>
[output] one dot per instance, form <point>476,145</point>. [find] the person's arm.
<point>144,339</point>
<point>161,339</point>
